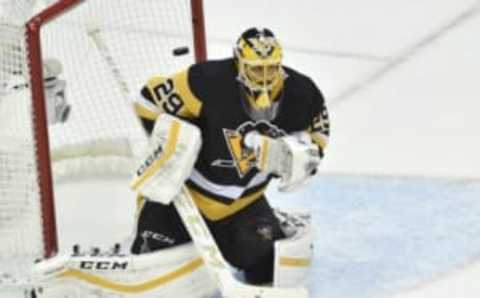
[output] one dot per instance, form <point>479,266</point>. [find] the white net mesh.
<point>97,56</point>
<point>20,221</point>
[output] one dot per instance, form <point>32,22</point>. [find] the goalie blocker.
<point>247,239</point>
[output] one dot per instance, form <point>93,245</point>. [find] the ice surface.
<point>380,235</point>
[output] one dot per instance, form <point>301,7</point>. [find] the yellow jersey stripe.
<point>151,85</point>
<point>215,210</point>
<point>144,112</point>
<point>192,103</point>
<point>132,288</point>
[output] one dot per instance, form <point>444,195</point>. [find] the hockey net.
<point>69,72</point>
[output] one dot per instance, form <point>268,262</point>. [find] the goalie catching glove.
<point>294,158</point>
<point>171,154</point>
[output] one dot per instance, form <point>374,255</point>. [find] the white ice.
<point>396,207</point>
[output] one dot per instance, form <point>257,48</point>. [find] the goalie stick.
<point>204,242</point>
<point>216,263</point>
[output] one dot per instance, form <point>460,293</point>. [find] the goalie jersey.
<point>224,179</point>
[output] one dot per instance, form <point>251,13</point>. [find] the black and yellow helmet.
<point>259,60</point>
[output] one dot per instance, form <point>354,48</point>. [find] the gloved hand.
<point>294,158</point>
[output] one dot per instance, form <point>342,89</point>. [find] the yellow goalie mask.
<point>259,60</point>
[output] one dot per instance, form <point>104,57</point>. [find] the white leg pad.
<point>175,272</point>
<point>293,255</point>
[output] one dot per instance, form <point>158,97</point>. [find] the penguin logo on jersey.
<point>243,158</point>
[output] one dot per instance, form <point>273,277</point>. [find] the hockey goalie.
<point>219,133</point>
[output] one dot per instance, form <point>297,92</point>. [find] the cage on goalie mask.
<point>258,56</point>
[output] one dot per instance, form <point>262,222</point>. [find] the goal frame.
<point>39,112</point>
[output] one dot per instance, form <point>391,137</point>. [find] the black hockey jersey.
<point>224,179</point>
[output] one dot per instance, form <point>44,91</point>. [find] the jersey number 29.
<point>169,99</point>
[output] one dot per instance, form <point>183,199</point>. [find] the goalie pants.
<point>246,238</point>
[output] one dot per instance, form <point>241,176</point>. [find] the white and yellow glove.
<point>294,158</point>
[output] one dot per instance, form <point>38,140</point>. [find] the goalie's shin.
<point>171,154</point>
<point>247,240</point>
<point>158,226</point>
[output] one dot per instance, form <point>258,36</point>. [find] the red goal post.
<point>139,48</point>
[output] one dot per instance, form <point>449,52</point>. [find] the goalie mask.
<point>258,56</point>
